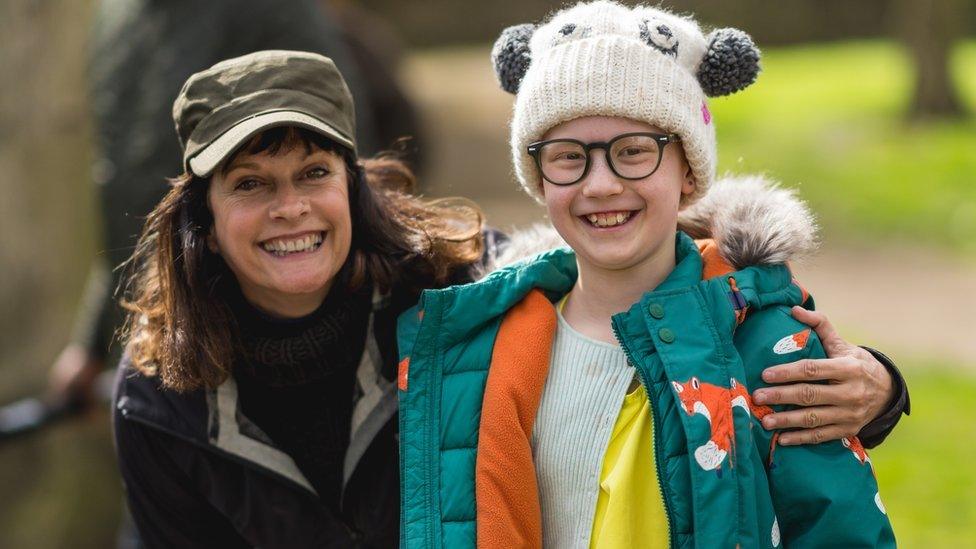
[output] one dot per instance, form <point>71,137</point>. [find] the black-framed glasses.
<point>630,156</point>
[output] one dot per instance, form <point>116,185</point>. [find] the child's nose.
<point>601,181</point>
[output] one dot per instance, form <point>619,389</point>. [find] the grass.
<point>925,468</point>
<point>829,119</point>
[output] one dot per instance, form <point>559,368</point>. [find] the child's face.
<point>614,223</point>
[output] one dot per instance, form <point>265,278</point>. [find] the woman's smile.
<point>292,245</point>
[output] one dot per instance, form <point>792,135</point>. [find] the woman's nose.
<point>289,203</point>
<point>600,180</point>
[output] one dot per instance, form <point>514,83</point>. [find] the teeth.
<point>283,247</point>
<point>608,219</point>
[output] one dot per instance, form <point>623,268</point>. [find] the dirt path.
<point>911,302</point>
<point>902,299</point>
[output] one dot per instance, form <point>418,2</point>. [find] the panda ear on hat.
<point>730,64</point>
<point>511,56</point>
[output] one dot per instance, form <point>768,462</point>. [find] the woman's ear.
<point>212,242</point>
<point>211,237</point>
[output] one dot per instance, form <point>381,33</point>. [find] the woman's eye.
<point>316,173</point>
<point>247,185</point>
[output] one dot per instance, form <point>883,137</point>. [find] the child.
<point>599,396</point>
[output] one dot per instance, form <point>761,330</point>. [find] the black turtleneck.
<point>296,381</point>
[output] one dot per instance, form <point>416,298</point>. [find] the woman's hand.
<point>858,389</point>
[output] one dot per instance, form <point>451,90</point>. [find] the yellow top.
<point>630,509</point>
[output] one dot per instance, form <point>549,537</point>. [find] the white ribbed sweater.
<point>581,400</point>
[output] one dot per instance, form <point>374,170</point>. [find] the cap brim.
<point>206,161</point>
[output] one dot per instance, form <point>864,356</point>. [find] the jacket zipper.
<point>656,418</point>
<point>428,441</point>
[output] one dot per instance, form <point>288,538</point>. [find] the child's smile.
<point>608,220</point>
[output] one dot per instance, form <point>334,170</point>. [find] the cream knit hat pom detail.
<point>605,59</point>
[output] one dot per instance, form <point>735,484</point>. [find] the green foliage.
<point>830,120</point>
<point>925,467</point>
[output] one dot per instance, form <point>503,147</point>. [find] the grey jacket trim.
<point>377,401</point>
<point>225,432</point>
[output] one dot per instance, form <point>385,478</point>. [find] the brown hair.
<point>179,327</point>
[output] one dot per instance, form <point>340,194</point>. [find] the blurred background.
<point>868,108</point>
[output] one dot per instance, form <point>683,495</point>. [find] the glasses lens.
<point>635,156</point>
<point>562,162</point>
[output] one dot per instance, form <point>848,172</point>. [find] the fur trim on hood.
<point>751,219</point>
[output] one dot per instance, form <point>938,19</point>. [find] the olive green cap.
<point>220,108</point>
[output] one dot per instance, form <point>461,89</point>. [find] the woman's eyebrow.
<point>239,165</point>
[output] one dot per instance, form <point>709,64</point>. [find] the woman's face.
<point>610,222</point>
<point>282,225</point>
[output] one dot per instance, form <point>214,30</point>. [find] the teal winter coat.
<point>473,365</point>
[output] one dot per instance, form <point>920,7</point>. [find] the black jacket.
<point>186,489</point>
<point>199,473</point>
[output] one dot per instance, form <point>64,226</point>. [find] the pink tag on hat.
<point>706,115</point>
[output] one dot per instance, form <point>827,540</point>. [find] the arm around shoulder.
<point>826,495</point>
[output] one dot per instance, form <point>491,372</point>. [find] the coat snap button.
<point>656,310</point>
<point>666,335</point>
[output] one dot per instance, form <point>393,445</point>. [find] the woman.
<point>256,406</point>
<point>601,397</point>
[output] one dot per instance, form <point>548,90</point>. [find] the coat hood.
<point>752,220</point>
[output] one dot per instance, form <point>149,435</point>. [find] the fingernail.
<point>769,375</point>
<point>769,422</point>
<point>760,397</point>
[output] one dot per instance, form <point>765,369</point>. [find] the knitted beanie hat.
<point>605,59</point>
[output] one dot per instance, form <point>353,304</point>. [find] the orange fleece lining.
<point>507,495</point>
<point>713,264</point>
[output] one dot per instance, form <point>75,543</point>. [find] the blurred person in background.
<point>256,402</point>
<point>141,53</point>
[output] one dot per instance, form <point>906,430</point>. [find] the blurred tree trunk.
<point>929,28</point>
